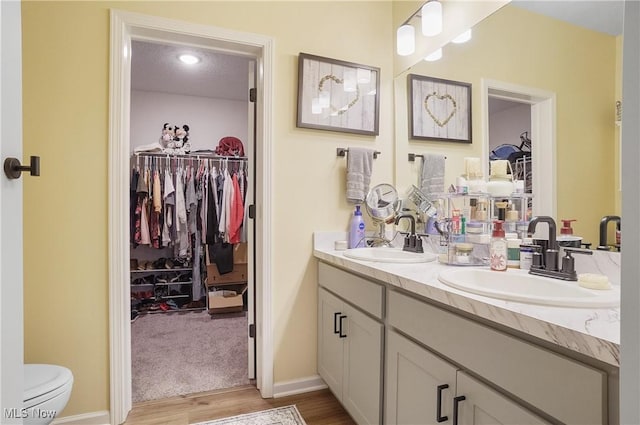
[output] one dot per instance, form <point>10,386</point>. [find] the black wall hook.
<point>13,169</point>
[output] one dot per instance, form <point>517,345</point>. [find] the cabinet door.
<point>417,383</point>
<point>484,406</point>
<point>362,390</point>
<point>330,356</point>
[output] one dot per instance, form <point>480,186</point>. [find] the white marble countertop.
<point>592,332</point>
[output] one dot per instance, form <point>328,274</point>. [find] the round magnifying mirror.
<point>382,203</point>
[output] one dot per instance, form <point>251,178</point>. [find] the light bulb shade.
<point>325,99</point>
<point>463,38</point>
<point>364,76</point>
<point>316,109</point>
<point>434,56</point>
<point>406,40</point>
<point>432,18</point>
<point>350,80</point>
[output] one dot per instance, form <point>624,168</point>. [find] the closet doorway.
<point>192,151</point>
<point>500,99</point>
<point>127,27</point>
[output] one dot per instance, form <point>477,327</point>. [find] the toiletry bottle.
<point>526,253</point>
<point>513,252</point>
<point>566,237</point>
<point>356,231</point>
<point>498,248</point>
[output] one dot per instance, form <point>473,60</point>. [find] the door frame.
<point>543,130</point>
<point>126,26</point>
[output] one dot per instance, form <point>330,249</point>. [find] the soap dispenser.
<point>356,230</point>
<point>566,237</point>
<point>498,248</point>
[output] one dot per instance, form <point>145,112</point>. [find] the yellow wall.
<point>66,95</point>
<point>523,48</point>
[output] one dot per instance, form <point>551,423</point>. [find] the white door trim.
<point>124,27</point>
<point>543,132</point>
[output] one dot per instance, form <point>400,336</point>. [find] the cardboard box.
<point>228,304</point>
<point>240,252</point>
<point>238,274</point>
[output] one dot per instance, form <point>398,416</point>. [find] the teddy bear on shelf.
<point>182,138</point>
<point>168,135</point>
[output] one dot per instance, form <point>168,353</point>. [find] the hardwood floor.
<point>317,408</point>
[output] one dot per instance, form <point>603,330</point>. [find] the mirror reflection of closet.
<point>510,137</point>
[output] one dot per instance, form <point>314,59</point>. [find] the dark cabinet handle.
<point>341,334</point>
<point>335,322</point>
<point>439,416</point>
<point>456,402</point>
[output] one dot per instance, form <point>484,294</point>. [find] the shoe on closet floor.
<point>134,315</point>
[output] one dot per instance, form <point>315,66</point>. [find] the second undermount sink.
<point>388,255</point>
<point>520,286</point>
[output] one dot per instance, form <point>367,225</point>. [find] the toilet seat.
<point>43,382</point>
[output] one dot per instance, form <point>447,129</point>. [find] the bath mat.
<point>286,415</point>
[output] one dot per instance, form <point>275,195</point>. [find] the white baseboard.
<point>298,386</point>
<point>93,418</point>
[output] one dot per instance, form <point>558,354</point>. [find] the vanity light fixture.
<point>364,76</point>
<point>350,81</point>
<point>432,18</point>
<point>463,38</point>
<point>434,56</point>
<point>189,59</point>
<point>406,40</point>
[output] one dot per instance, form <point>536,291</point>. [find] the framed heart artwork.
<point>336,95</point>
<point>439,109</point>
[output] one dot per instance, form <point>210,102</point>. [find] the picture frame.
<point>335,95</point>
<point>439,109</point>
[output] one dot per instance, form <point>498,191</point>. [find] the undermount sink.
<point>388,255</point>
<point>518,285</point>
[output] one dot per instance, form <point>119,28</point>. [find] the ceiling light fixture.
<point>189,59</point>
<point>432,18</point>
<point>406,40</point>
<point>463,38</point>
<point>434,56</point>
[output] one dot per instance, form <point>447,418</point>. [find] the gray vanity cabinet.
<point>350,343</point>
<point>422,388</point>
<point>419,385</point>
<point>437,360</point>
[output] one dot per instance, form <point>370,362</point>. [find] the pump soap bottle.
<point>567,238</point>
<point>356,231</point>
<point>498,248</point>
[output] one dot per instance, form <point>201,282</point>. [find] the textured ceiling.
<point>155,67</point>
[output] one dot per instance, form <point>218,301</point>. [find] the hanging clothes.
<point>236,211</point>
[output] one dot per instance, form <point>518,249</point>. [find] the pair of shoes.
<point>162,278</point>
<point>159,263</point>
<point>164,307</point>
<point>147,280</point>
<point>133,264</point>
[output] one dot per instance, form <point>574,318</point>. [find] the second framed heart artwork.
<point>336,95</point>
<point>439,109</point>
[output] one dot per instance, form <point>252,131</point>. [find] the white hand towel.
<point>432,174</point>
<point>359,168</point>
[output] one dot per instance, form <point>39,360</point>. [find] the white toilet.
<point>47,389</point>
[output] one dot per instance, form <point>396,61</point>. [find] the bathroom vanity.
<point>396,346</point>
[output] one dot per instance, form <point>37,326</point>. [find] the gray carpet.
<point>286,415</point>
<point>184,353</point>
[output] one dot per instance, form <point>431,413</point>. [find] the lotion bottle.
<point>356,230</point>
<point>498,248</point>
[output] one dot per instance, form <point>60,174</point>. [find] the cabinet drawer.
<point>358,291</point>
<point>563,388</point>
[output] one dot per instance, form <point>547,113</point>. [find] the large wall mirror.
<point>567,80</point>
